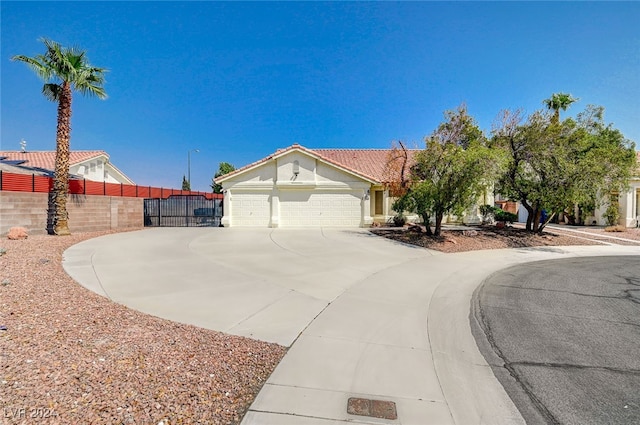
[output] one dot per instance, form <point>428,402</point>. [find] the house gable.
<point>296,167</point>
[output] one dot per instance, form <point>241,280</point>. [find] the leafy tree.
<point>185,183</point>
<point>63,71</point>
<point>554,165</point>
<point>450,173</point>
<point>420,200</point>
<point>223,168</point>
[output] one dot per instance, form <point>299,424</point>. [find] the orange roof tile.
<point>47,159</point>
<point>372,162</point>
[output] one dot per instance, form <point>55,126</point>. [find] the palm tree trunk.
<point>61,180</point>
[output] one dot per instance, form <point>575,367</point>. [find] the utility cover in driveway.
<point>373,408</point>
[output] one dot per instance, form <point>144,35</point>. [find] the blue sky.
<point>239,80</point>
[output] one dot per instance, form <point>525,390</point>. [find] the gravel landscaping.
<point>69,356</point>
<point>484,237</point>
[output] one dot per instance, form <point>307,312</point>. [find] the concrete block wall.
<point>23,209</point>
<point>87,213</point>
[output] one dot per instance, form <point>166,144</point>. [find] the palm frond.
<point>52,91</point>
<point>58,65</point>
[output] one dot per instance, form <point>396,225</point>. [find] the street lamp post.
<point>189,165</point>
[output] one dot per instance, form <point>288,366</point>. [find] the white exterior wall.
<point>98,170</point>
<point>301,191</point>
<point>629,208</point>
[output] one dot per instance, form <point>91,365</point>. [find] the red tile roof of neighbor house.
<point>371,164</point>
<point>47,159</point>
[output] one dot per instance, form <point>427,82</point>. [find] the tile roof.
<point>47,159</point>
<point>17,169</point>
<point>370,164</point>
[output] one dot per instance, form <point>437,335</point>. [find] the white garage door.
<point>306,208</point>
<point>250,209</point>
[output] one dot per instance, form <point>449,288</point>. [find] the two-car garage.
<point>296,208</point>
<point>296,187</point>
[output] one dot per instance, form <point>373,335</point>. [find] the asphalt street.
<point>563,337</point>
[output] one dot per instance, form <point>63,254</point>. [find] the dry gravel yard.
<point>69,356</point>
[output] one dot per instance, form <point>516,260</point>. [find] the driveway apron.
<point>364,317</point>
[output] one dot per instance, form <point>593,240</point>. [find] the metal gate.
<point>182,211</point>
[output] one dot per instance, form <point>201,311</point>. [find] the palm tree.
<point>64,70</point>
<point>559,101</point>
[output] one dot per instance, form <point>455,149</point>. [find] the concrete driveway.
<point>364,316</point>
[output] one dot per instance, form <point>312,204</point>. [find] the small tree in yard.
<point>223,168</point>
<point>448,176</point>
<point>418,199</point>
<point>612,213</point>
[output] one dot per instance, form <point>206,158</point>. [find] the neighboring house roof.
<point>10,167</point>
<point>46,160</point>
<point>370,164</point>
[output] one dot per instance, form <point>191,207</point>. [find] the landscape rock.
<point>16,233</point>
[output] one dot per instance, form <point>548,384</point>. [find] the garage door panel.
<point>251,209</point>
<point>320,209</point>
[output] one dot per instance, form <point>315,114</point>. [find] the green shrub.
<point>488,212</point>
<point>501,215</point>
<point>612,214</point>
<point>399,220</point>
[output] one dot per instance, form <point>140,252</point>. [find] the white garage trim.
<point>313,208</point>
<point>251,208</point>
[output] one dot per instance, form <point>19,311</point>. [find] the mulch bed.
<point>481,237</point>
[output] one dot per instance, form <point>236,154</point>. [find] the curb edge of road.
<point>531,409</point>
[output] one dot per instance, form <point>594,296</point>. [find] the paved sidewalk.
<point>364,316</point>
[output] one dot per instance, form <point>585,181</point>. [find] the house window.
<point>379,202</point>
<point>92,167</point>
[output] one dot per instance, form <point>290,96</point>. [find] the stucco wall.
<point>306,167</point>
<point>87,213</point>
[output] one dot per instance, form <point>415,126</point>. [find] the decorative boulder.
<point>16,233</point>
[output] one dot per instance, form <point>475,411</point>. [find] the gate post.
<point>186,213</point>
